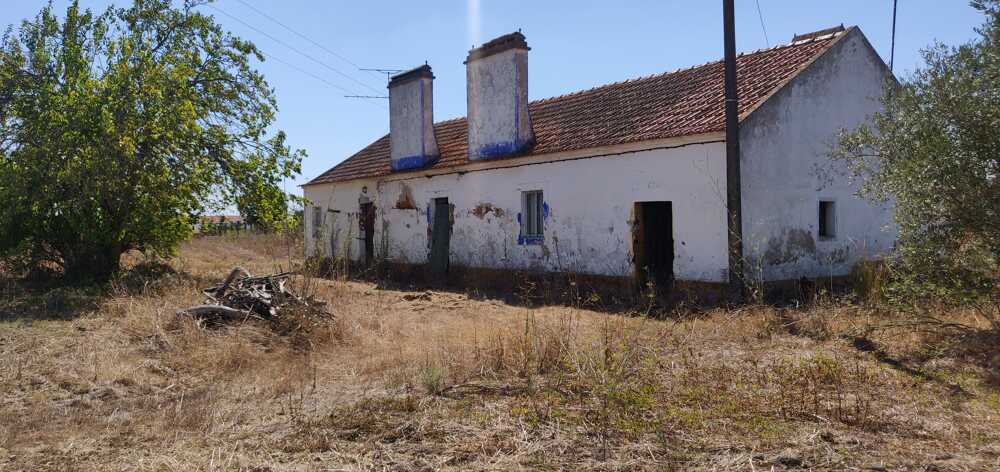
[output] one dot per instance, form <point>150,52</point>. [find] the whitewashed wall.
<point>588,227</point>
<point>339,231</point>
<point>786,169</point>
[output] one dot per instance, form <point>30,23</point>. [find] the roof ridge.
<point>566,124</point>
<point>685,69</point>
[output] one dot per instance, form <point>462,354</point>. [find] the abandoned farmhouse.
<point>625,181</point>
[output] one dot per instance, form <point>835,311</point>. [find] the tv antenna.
<point>388,72</point>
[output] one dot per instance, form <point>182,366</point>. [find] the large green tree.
<point>117,129</point>
<point>935,152</point>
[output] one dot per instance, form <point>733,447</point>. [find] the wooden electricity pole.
<point>734,205</point>
<point>892,48</point>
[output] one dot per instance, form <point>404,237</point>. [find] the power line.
<point>760,15</point>
<point>310,74</point>
<point>293,48</point>
<point>296,33</point>
<point>306,72</point>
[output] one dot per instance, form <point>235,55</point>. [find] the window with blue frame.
<point>533,216</point>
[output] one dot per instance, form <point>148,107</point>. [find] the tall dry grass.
<point>435,380</point>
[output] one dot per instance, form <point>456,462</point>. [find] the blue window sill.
<point>532,240</point>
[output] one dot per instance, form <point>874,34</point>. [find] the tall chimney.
<point>411,119</point>
<point>497,88</point>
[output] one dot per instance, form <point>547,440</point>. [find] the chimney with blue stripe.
<point>497,88</point>
<point>411,119</point>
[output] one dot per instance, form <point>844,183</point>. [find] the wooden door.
<point>653,244</point>
<point>440,236</point>
<point>367,217</point>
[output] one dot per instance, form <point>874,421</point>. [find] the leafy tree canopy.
<point>118,129</point>
<point>935,152</point>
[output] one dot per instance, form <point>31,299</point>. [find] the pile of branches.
<point>240,297</point>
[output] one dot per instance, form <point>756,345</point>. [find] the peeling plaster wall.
<point>340,205</point>
<point>786,170</point>
<point>588,226</point>
<point>589,202</point>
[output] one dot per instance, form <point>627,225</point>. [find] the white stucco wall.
<point>411,122</point>
<point>497,97</point>
<point>339,204</point>
<point>588,227</point>
<point>786,169</point>
<point>786,172</point>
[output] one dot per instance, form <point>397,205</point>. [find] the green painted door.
<point>440,236</point>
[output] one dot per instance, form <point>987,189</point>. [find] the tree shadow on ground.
<point>28,299</point>
<point>975,348</point>
<point>604,294</point>
<point>526,292</point>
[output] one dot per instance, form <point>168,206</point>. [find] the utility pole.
<point>734,204</point>
<point>892,48</point>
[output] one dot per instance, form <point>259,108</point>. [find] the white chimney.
<point>411,119</point>
<point>497,87</point>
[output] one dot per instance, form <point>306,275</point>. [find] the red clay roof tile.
<point>680,103</point>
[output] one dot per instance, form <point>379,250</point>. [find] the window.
<point>533,216</point>
<point>317,221</point>
<point>827,220</point>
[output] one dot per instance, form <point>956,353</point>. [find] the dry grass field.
<point>112,379</point>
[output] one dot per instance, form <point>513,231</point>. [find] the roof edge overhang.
<point>781,86</point>
<point>598,151</point>
<point>535,159</point>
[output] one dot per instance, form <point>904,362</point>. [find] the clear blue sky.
<point>575,45</point>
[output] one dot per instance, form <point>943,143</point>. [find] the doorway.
<point>367,219</point>
<point>653,245</point>
<point>440,236</point>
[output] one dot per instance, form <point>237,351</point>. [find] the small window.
<point>827,220</point>
<point>532,225</point>
<point>317,220</point>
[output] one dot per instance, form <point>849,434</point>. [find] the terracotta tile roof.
<point>680,103</point>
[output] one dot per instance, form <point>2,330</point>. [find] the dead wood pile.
<point>241,296</point>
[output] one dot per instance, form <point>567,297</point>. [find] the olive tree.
<point>118,129</point>
<point>935,152</point>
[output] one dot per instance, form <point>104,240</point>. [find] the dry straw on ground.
<point>441,381</point>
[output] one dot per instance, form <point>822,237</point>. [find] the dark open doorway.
<point>367,219</point>
<point>653,245</point>
<point>440,236</point>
